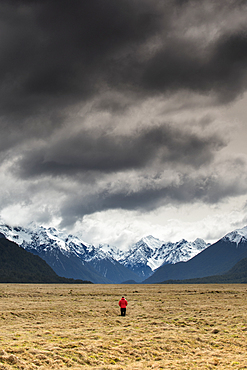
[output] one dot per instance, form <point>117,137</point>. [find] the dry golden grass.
<point>80,327</point>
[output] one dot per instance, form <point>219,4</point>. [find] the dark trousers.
<point>123,311</point>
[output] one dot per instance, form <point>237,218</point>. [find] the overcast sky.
<point>124,118</point>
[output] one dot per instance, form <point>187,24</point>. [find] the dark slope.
<point>69,267</point>
<point>238,274</point>
<point>101,271</point>
<point>20,266</point>
<point>114,271</point>
<point>217,259</point>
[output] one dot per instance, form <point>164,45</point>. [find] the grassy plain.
<point>80,327</point>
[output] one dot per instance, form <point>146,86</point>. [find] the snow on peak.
<point>152,242</point>
<point>40,237</point>
<point>236,236</point>
<point>176,252</point>
<point>153,252</point>
<point>112,252</point>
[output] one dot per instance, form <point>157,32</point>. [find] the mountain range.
<point>148,261</point>
<point>71,257</point>
<point>217,259</point>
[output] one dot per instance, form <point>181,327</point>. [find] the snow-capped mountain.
<point>69,256</point>
<point>237,236</point>
<point>150,253</point>
<point>45,239</point>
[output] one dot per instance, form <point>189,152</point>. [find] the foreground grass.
<point>166,327</point>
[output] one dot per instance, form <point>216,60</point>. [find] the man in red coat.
<point>123,304</point>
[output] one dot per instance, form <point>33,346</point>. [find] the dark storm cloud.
<point>90,151</point>
<point>57,56</point>
<point>52,49</point>
<point>209,189</point>
<point>57,53</point>
<point>220,68</point>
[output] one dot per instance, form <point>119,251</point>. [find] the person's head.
<point>122,296</point>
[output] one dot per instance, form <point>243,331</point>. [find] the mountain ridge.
<point>71,257</point>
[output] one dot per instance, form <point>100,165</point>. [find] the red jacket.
<point>123,303</point>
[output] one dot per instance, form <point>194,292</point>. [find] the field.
<point>80,327</point>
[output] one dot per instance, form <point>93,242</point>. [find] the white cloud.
<point>124,228</point>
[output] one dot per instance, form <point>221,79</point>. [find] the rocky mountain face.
<point>73,258</point>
